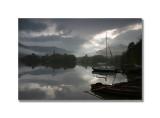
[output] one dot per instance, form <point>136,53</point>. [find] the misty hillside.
<point>24,50</point>
<point>116,50</point>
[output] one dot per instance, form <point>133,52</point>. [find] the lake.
<point>46,83</point>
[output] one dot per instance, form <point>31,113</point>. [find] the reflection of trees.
<point>53,61</point>
<point>133,76</point>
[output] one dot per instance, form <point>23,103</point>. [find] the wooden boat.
<point>131,89</point>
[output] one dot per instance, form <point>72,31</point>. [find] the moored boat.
<point>131,89</point>
<point>105,68</point>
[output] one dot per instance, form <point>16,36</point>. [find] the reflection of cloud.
<point>48,92</point>
<point>38,91</point>
<point>39,79</point>
<point>94,80</point>
<point>37,70</point>
<point>40,70</point>
<point>68,84</point>
<point>109,79</point>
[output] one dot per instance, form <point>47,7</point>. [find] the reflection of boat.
<point>106,69</point>
<point>103,73</point>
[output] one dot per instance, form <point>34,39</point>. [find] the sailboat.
<point>106,69</point>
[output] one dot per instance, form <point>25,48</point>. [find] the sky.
<point>79,36</point>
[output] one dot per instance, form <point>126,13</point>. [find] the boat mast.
<point>106,50</point>
<point>106,45</point>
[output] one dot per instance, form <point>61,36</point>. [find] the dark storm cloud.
<point>92,26</point>
<point>101,22</point>
<point>42,38</point>
<point>125,39</point>
<point>31,25</point>
<point>72,44</point>
<point>72,41</point>
<point>75,34</point>
<point>62,30</point>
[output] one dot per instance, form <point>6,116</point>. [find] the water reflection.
<point>110,78</point>
<point>61,84</point>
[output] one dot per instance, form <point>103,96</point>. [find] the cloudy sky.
<point>80,36</point>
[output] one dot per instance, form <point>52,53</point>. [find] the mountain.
<point>39,50</point>
<point>116,50</point>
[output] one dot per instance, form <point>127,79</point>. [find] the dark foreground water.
<point>45,83</point>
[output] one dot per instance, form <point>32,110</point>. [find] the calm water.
<point>62,84</point>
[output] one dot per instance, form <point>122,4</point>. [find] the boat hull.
<point>105,70</point>
<point>129,90</point>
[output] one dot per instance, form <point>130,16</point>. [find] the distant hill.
<point>116,50</point>
<point>39,50</point>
